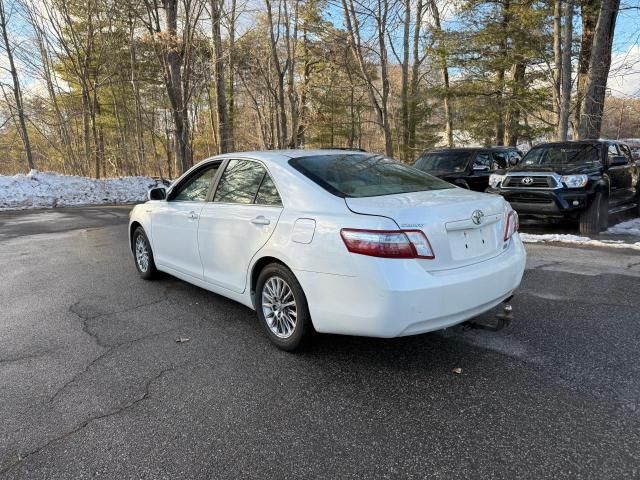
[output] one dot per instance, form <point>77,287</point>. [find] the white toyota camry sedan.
<point>331,241</point>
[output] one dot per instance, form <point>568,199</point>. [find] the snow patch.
<point>47,190</point>
<point>630,227</point>
<point>577,240</point>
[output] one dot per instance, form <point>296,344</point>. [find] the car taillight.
<point>387,243</point>
<point>511,224</point>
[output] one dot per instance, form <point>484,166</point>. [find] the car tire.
<point>143,255</point>
<point>595,218</point>
<point>282,308</point>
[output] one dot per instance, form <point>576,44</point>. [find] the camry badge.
<point>527,180</point>
<point>476,217</point>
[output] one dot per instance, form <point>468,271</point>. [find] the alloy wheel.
<point>142,254</point>
<point>279,307</point>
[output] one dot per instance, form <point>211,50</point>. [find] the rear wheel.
<point>595,218</point>
<point>143,255</point>
<point>282,308</point>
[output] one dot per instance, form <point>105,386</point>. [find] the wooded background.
<point>129,87</point>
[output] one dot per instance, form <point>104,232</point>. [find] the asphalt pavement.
<point>93,383</point>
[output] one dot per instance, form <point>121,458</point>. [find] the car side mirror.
<point>513,161</point>
<point>618,161</point>
<point>157,193</point>
<point>480,168</point>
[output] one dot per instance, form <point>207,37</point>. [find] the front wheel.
<point>282,308</point>
<point>143,255</point>
<point>595,218</point>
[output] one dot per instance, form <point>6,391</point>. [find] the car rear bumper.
<point>391,305</point>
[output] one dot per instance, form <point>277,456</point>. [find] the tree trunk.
<point>444,73</point>
<point>512,127</point>
<point>589,13</point>
<point>224,132</point>
<point>565,90</point>
<point>404,93</point>
<point>280,72</point>
<point>415,78</point>
<point>232,70</point>
<point>173,80</point>
<point>557,60</point>
<point>591,115</point>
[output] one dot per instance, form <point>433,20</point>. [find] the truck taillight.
<point>387,243</point>
<point>511,224</point>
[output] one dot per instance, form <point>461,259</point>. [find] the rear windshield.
<point>443,161</point>
<point>570,154</point>
<point>364,175</point>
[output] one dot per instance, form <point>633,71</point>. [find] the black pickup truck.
<point>584,180</point>
<point>467,167</point>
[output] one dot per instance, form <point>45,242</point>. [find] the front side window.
<point>625,150</point>
<point>365,175</point>
<point>196,188</point>
<point>482,160</point>
<point>240,182</point>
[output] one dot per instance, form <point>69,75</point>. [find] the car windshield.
<point>568,154</point>
<point>443,161</point>
<point>364,175</point>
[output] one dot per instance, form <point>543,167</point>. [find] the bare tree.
<point>378,94</point>
<point>224,133</point>
<point>17,92</point>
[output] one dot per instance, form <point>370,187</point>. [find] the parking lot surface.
<point>93,383</point>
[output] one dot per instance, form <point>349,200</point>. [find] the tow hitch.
<point>503,319</point>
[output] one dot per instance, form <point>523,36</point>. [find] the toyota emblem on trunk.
<point>527,180</point>
<point>477,217</point>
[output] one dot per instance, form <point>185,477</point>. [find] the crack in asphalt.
<point>632,264</point>
<point>85,318</point>
<point>109,348</point>
<point>145,395</point>
<point>20,358</point>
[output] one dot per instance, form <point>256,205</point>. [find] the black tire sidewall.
<point>596,217</point>
<point>151,271</point>
<point>303,330</point>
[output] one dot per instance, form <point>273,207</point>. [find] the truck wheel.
<point>595,218</point>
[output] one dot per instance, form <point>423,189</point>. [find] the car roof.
<point>469,149</point>
<point>580,142</point>
<point>283,156</point>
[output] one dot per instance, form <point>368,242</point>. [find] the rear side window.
<point>239,182</point>
<point>268,194</point>
<point>365,175</point>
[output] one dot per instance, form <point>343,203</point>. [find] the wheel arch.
<point>132,228</point>
<point>256,268</point>
<point>604,185</point>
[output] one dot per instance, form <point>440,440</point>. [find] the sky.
<point>624,79</point>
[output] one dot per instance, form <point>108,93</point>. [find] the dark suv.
<point>585,180</point>
<point>468,167</point>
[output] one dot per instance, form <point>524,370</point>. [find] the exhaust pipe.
<point>503,319</point>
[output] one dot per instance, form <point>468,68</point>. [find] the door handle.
<point>193,215</point>
<point>261,221</point>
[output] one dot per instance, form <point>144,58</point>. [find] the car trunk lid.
<point>463,227</point>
